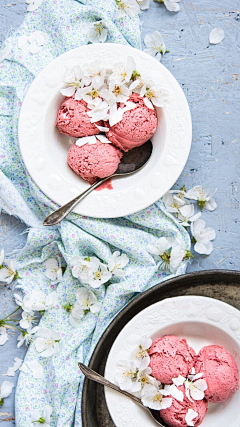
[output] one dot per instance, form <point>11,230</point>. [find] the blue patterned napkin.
<point>59,22</point>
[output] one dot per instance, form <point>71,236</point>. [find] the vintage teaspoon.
<point>131,162</point>
<point>94,376</point>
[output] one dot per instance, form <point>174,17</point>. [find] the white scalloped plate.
<point>202,321</point>
<point>44,149</point>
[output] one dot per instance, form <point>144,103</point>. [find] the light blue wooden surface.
<point>209,76</point>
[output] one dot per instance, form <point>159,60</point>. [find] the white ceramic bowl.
<point>44,149</point>
<point>202,321</point>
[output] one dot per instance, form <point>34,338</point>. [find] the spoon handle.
<point>94,376</point>
<point>60,213</point>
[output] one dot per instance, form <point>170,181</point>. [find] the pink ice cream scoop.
<point>136,127</point>
<point>220,372</point>
<point>94,161</point>
<point>170,356</point>
<point>175,415</point>
<point>72,119</point>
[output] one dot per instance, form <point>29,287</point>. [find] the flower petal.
<point>6,389</point>
<point>216,36</point>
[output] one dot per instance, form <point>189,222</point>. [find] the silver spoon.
<point>94,376</point>
<point>131,162</point>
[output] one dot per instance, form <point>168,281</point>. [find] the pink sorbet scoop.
<point>170,356</point>
<point>174,416</point>
<point>220,372</point>
<point>72,119</point>
<point>136,127</point>
<point>94,161</point>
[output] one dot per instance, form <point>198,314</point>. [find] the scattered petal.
<point>216,36</point>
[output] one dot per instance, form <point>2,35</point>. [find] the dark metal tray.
<point>223,285</point>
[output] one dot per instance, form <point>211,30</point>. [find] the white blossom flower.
<point>154,96</point>
<point>37,300</point>
<point>4,53</point>
<point>122,73</point>
<point>116,263</point>
<point>160,248</point>
<point>11,371</point>
<point>202,236</point>
<point>155,45</point>
<point>178,254</point>
<point>74,80</point>
<point>126,376</point>
<point>91,140</point>
<point>196,387</point>
<point>144,4</point>
<point>8,273</point>
<point>32,366</point>
<point>1,254</point>
<point>144,377</point>
<point>204,197</point>
<point>42,419</point>
<point>100,276</point>
<point>97,32</point>
<point>140,356</point>
<point>32,43</point>
<point>6,389</point>
<point>88,300</point>
<point>186,214</point>
<point>190,415</point>
<point>3,336</point>
<point>154,399</point>
<point>120,91</point>
<point>53,270</point>
<point>173,202</point>
<point>23,302</point>
<point>27,320</point>
<point>92,94</point>
<point>26,336</point>
<point>216,36</point>
<point>83,268</point>
<point>127,8</point>
<point>46,342</point>
<point>94,73</point>
<point>33,5</point>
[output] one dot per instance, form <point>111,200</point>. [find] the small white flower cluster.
<point>135,377</point>
<point>104,91</point>
<point>133,8</point>
<point>177,203</point>
<point>38,301</point>
<point>91,271</point>
<point>169,253</point>
<point>86,301</point>
<point>8,271</point>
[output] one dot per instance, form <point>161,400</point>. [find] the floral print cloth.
<point>54,28</point>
